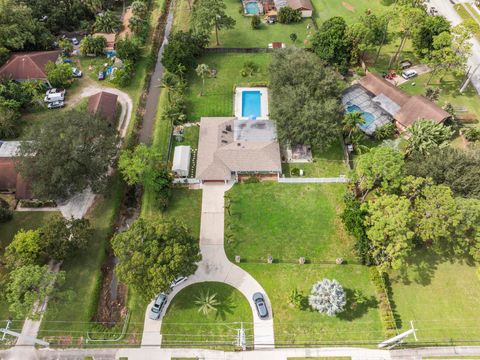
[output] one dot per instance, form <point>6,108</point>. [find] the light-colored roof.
<point>220,155</point>
<point>28,65</point>
<point>181,159</point>
<point>9,149</point>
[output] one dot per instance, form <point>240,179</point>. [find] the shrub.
<point>124,76</point>
<point>5,213</point>
<point>298,300</point>
<point>471,134</point>
<point>249,68</point>
<point>386,131</point>
<point>287,15</point>
<point>386,314</point>
<point>295,171</point>
<point>255,23</point>
<point>252,180</point>
<point>328,297</point>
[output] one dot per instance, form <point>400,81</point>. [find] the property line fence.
<point>312,180</point>
<point>236,50</point>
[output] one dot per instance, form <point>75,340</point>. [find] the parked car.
<point>56,104</point>
<point>259,301</point>
<point>101,75</point>
<point>54,97</point>
<point>67,61</point>
<point>55,91</point>
<point>75,41</point>
<point>157,307</point>
<point>77,72</point>
<point>405,64</point>
<point>178,281</point>
<point>408,74</point>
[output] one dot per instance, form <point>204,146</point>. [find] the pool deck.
<point>263,102</point>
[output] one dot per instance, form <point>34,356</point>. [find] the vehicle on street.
<point>259,301</point>
<point>54,97</point>
<point>178,281</point>
<point>101,75</point>
<point>56,104</point>
<point>75,41</point>
<point>408,74</point>
<point>157,307</point>
<point>77,72</point>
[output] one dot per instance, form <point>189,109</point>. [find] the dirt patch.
<point>348,6</point>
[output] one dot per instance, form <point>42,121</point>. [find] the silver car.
<point>259,301</point>
<point>157,307</point>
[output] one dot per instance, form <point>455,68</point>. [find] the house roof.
<point>300,4</point>
<point>404,108</point>
<point>103,104</point>
<point>220,154</point>
<point>181,159</point>
<point>110,37</point>
<point>28,65</point>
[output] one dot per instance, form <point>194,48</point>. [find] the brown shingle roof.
<point>25,66</point>
<point>300,4</point>
<point>378,85</point>
<point>103,104</point>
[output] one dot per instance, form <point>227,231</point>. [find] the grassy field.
<point>451,314</point>
<point>465,15</point>
<point>217,99</point>
<point>350,10</point>
<point>184,324</point>
<point>328,163</point>
<point>294,326</point>
<point>286,221</point>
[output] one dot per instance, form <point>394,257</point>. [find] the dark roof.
<point>103,104</point>
<point>378,85</point>
<point>28,65</point>
<point>10,180</point>
<point>300,4</point>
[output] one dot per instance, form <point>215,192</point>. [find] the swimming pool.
<point>251,104</point>
<point>368,117</point>
<point>252,8</point>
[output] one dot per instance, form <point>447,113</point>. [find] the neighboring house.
<point>10,180</point>
<point>231,149</point>
<point>104,105</point>
<point>305,6</point>
<point>28,65</point>
<point>382,102</point>
<point>110,37</point>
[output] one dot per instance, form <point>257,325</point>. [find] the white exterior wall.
<point>306,13</point>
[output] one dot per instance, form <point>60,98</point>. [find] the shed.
<point>181,161</point>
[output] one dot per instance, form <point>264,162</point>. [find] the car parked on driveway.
<point>75,41</point>
<point>259,301</point>
<point>77,73</point>
<point>56,104</point>
<point>157,307</point>
<point>54,97</point>
<point>408,74</point>
<point>55,91</point>
<point>178,281</point>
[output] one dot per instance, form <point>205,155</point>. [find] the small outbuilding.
<point>181,161</point>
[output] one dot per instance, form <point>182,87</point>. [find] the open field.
<point>286,221</point>
<point>184,324</point>
<point>350,10</point>
<point>217,99</point>
<point>294,326</point>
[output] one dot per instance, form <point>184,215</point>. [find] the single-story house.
<point>381,102</point>
<point>24,66</point>
<point>110,37</point>
<point>305,6</point>
<point>104,105</point>
<point>10,179</point>
<point>181,161</point>
<point>231,149</point>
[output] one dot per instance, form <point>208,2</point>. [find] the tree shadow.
<point>226,307</point>
<point>356,309</point>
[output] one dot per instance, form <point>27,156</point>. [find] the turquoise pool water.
<point>251,104</point>
<point>368,117</point>
<point>252,8</point>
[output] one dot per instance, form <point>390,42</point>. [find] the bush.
<point>471,134</point>
<point>386,314</point>
<point>287,15</point>
<point>249,68</point>
<point>252,180</point>
<point>4,55</point>
<point>124,76</point>
<point>5,213</point>
<point>298,300</point>
<point>295,172</point>
<point>386,131</point>
<point>328,297</point>
<point>255,23</point>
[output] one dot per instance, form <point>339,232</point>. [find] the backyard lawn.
<point>350,10</point>
<point>184,324</point>
<point>294,326</point>
<point>217,99</point>
<point>286,221</point>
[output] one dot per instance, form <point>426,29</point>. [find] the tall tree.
<point>330,42</point>
<point>468,232</point>
<point>107,22</point>
<point>24,249</point>
<point>423,35</point>
<point>210,14</point>
<point>351,121</point>
<point>305,96</point>
<point>72,152</point>
<point>202,71</point>
<point>152,253</point>
<point>181,51</point>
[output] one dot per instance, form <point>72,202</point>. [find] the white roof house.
<point>181,161</point>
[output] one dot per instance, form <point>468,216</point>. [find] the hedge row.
<point>387,317</point>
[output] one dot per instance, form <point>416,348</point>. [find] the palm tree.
<point>202,71</point>
<point>108,22</point>
<point>350,122</point>
<point>425,135</point>
<point>171,83</point>
<point>207,302</point>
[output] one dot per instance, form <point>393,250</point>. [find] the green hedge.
<point>387,317</point>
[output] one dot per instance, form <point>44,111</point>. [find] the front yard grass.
<point>286,221</point>
<point>217,99</point>
<point>350,10</point>
<point>183,325</point>
<point>294,326</point>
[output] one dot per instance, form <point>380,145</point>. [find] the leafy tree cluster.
<point>208,15</point>
<point>153,252</point>
<point>92,45</point>
<point>72,152</point>
<point>138,22</point>
<point>182,50</point>
<point>5,213</point>
<point>107,22</point>
<point>287,15</point>
<point>305,99</point>
<point>59,75</point>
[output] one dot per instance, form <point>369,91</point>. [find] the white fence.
<point>312,180</point>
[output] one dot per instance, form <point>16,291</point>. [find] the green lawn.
<point>465,15</point>
<point>184,325</point>
<point>294,326</point>
<point>350,10</point>
<point>329,163</point>
<point>218,94</point>
<point>286,221</point>
<point>441,298</point>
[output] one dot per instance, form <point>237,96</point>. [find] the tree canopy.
<point>72,152</point>
<point>153,252</point>
<point>181,51</point>
<point>426,135</point>
<point>305,99</point>
<point>210,14</point>
<point>330,42</point>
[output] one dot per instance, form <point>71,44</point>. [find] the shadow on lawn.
<point>355,309</point>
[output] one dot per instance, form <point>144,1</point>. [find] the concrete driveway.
<point>215,266</point>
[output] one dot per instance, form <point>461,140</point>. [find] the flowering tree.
<point>328,297</point>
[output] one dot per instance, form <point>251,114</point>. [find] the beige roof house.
<point>229,147</point>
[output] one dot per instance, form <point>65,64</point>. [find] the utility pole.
<point>241,338</point>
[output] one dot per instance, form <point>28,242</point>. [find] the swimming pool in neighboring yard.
<point>368,117</point>
<point>251,104</point>
<point>252,8</point>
